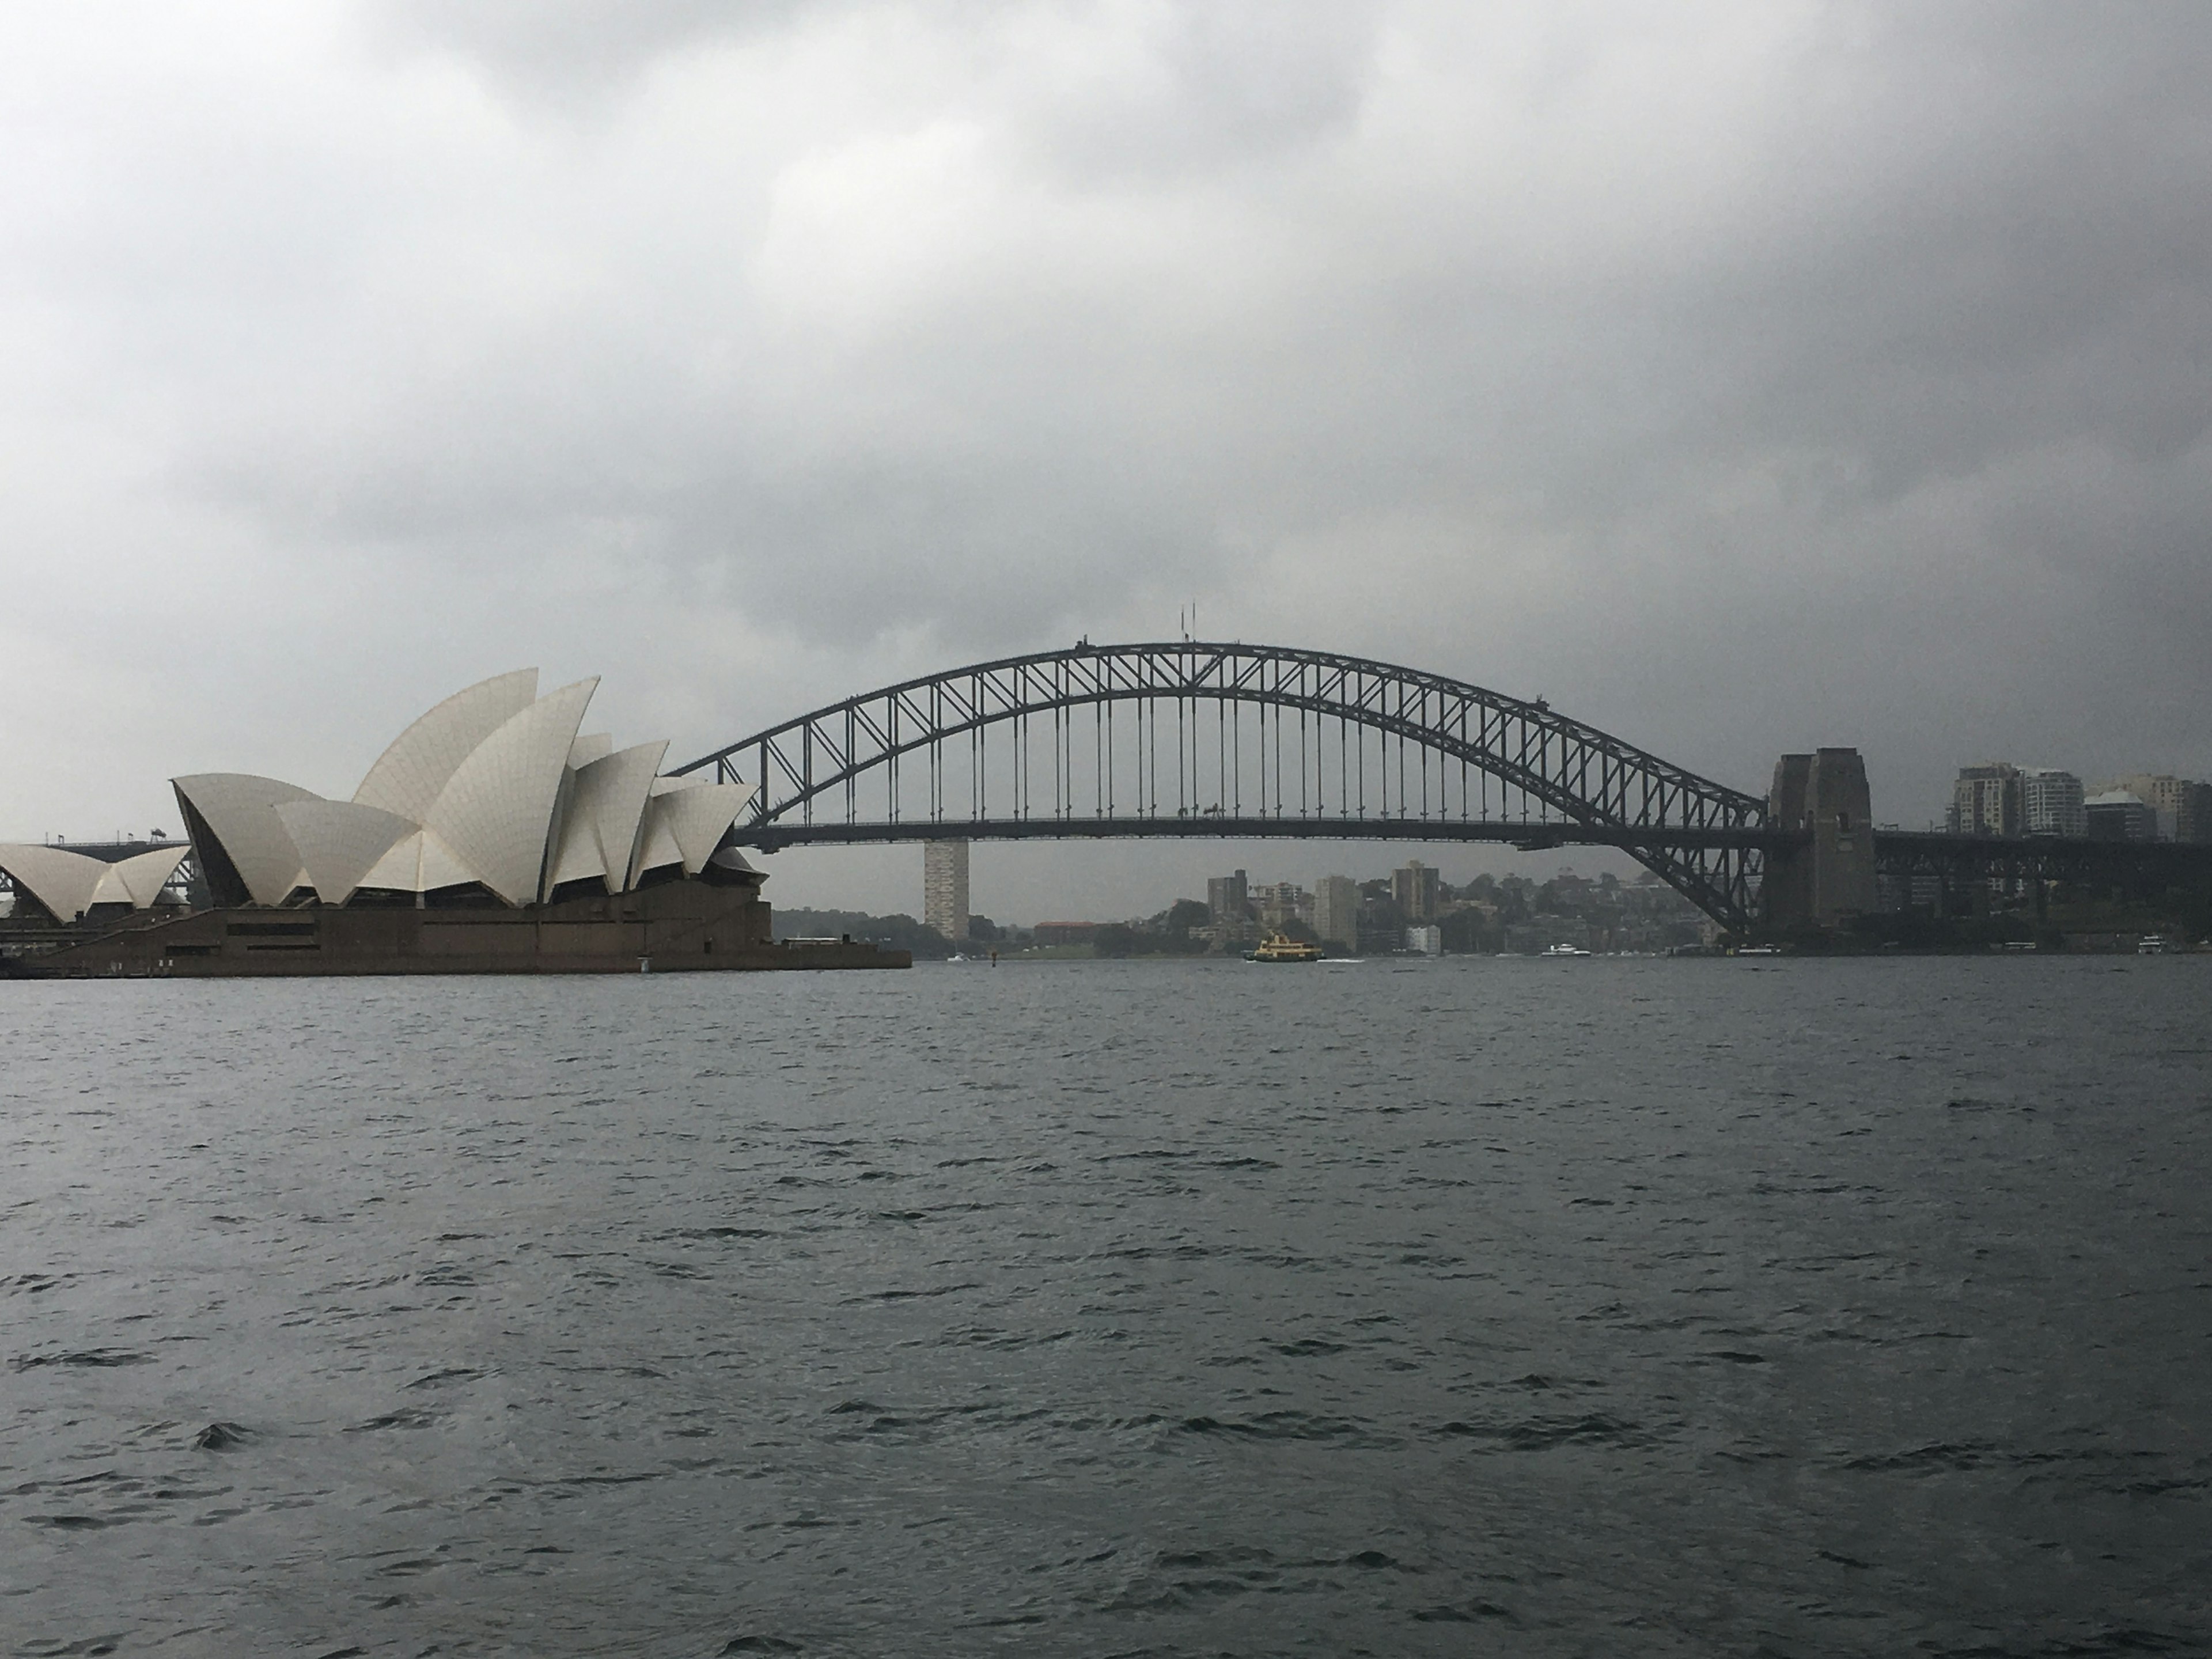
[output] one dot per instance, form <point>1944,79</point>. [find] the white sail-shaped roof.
<point>497,809</point>
<point>340,842</point>
<point>69,884</point>
<point>700,816</point>
<point>61,881</point>
<point>143,875</point>
<point>410,775</point>
<point>494,786</point>
<point>599,831</point>
<point>685,821</point>
<point>656,843</point>
<point>421,863</point>
<point>240,811</point>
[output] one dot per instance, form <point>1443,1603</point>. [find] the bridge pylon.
<point>1823,874</point>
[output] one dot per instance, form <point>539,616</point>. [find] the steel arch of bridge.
<point>1573,783</point>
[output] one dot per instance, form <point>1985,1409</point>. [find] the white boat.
<point>1565,951</point>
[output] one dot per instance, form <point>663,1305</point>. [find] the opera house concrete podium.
<point>492,836</point>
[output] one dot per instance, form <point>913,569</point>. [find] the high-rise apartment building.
<point>1229,897</point>
<point>2195,816</point>
<point>2051,803</point>
<point>1416,891</point>
<point>1282,903</point>
<point>1336,911</point>
<point>945,887</point>
<point>1985,800</point>
<point>2180,809</point>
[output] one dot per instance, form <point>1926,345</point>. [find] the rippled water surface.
<point>1590,1306</point>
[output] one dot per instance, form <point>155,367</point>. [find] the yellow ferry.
<point>1281,947</point>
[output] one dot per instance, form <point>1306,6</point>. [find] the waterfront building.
<point>1281,904</point>
<point>1427,941</point>
<point>2180,808</point>
<point>2051,803</point>
<point>2119,815</point>
<point>945,888</point>
<point>1415,891</point>
<point>1382,930</point>
<point>1228,898</point>
<point>492,836</point>
<point>1986,800</point>
<point>2196,814</point>
<point>494,796</point>
<point>1336,911</point>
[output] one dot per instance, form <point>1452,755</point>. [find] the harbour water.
<point>1528,1307</point>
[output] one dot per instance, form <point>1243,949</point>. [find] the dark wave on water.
<point>1593,1307</point>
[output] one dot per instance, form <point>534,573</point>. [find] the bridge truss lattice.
<point>1197,738</point>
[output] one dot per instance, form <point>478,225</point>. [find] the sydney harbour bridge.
<point>1231,740</point>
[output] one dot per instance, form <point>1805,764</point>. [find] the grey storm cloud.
<point>1741,378</point>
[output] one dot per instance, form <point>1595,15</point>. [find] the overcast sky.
<point>1739,377</point>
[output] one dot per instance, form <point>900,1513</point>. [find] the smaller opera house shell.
<point>58,885</point>
<point>492,836</point>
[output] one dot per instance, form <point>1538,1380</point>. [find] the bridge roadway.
<point>775,835</point>
<point>2057,855</point>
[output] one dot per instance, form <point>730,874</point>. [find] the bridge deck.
<point>778,834</point>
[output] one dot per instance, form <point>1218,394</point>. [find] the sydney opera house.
<point>494,834</point>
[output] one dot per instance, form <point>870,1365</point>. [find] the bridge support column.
<point>1829,878</point>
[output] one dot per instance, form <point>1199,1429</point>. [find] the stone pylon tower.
<point>945,888</point>
<point>1831,876</point>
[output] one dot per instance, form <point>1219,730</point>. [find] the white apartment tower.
<point>2051,803</point>
<point>945,888</point>
<point>1985,800</point>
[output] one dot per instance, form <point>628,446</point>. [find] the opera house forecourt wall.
<point>493,835</point>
